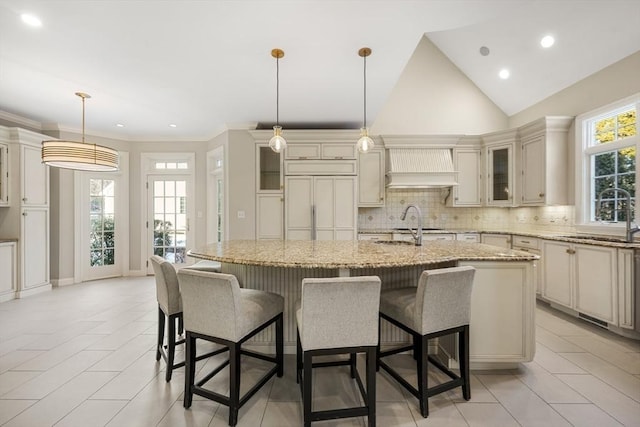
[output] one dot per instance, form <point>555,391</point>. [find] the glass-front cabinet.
<point>269,194</point>
<point>4,175</point>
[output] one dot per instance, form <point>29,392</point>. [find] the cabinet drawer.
<point>526,242</point>
<point>468,237</point>
<point>320,167</point>
<point>438,237</point>
<point>373,237</point>
<point>338,151</point>
<point>302,151</point>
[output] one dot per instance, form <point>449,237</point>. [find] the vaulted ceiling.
<point>205,66</point>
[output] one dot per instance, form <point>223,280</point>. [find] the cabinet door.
<point>500,240</point>
<point>35,247</point>
<point>533,171</point>
<point>325,207</point>
<point>270,216</point>
<point>302,151</point>
<point>557,272</point>
<point>269,173</point>
<point>469,189</point>
<point>596,285</point>
<point>7,270</point>
<point>35,178</point>
<point>371,178</point>
<point>500,176</point>
<point>4,175</point>
<point>298,200</point>
<point>626,291</point>
<point>346,212</point>
<point>338,151</point>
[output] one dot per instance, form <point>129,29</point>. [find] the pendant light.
<point>365,143</point>
<point>79,155</point>
<point>277,142</point>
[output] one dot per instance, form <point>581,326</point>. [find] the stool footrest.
<point>360,411</point>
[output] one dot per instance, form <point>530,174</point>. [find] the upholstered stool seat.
<point>338,316</point>
<point>216,309</point>
<point>206,265</point>
<point>440,305</point>
<point>169,307</point>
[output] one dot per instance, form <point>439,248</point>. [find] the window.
<point>102,222</point>
<point>607,163</point>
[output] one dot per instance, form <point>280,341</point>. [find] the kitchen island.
<point>503,298</point>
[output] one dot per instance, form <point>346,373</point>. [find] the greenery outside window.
<point>609,140</point>
<point>102,220</point>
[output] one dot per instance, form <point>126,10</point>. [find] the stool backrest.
<point>443,298</point>
<point>340,312</point>
<point>167,289</point>
<point>211,303</point>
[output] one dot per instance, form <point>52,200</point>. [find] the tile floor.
<point>83,355</point>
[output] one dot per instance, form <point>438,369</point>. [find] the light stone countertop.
<point>351,254</point>
<point>588,239</point>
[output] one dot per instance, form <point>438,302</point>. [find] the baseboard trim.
<point>29,292</point>
<point>56,283</point>
<point>136,273</point>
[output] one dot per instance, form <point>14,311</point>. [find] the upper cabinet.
<point>544,172</point>
<point>500,167</point>
<point>467,162</point>
<point>4,174</point>
<point>34,177</point>
<point>371,181</point>
<point>269,173</point>
<point>326,151</point>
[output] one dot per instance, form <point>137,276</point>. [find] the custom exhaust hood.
<point>420,168</point>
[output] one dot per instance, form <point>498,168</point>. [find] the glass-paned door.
<point>220,208</point>
<point>168,219</point>
<point>101,235</point>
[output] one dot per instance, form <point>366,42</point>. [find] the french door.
<point>169,232</point>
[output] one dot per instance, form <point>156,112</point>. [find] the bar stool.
<point>338,316</point>
<point>169,306</point>
<point>216,309</point>
<point>439,306</point>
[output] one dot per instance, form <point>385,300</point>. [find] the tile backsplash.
<point>436,214</point>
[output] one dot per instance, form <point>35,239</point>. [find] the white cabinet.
<point>4,174</point>
<point>626,290</point>
<point>500,168</point>
<point>269,194</point>
<point>375,236</point>
<point>320,208</point>
<point>371,179</point>
<point>468,237</point>
<point>270,208</point>
<point>557,272</point>
<point>582,278</point>
<point>531,245</point>
<point>27,218</point>
<point>468,192</point>
<point>8,274</point>
<point>328,151</point>
<point>501,240</point>
<point>544,173</point>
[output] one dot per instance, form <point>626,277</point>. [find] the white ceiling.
<point>206,65</point>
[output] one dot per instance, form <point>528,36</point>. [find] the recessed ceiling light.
<point>504,74</point>
<point>31,20</point>
<point>173,125</point>
<point>547,41</point>
<point>484,51</point>
<point>120,125</point>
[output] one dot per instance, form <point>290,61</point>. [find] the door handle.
<point>313,222</point>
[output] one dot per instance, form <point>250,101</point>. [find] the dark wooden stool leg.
<point>280,345</point>
<point>463,345</point>
<point>160,333</point>
<point>298,359</point>
<point>371,364</point>
<point>189,369</point>
<point>422,376</point>
<point>171,350</point>
<point>234,383</point>
<point>352,364</point>
<point>307,398</point>
<point>180,324</point>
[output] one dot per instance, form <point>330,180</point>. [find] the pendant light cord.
<point>82,119</point>
<point>277,91</point>
<point>365,92</point>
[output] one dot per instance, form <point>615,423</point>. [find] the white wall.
<point>432,96</point>
<point>613,83</point>
<point>241,186</point>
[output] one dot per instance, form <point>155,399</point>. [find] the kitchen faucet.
<point>631,230</point>
<point>417,236</point>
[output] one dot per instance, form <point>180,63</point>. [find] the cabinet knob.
<point>24,214</point>
<point>541,195</point>
<point>571,251</point>
<point>381,198</point>
<point>24,199</point>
